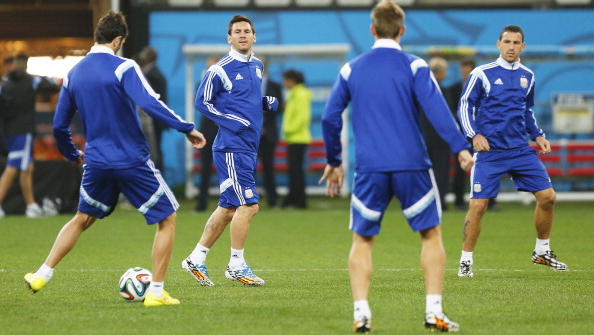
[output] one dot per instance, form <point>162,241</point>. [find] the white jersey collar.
<point>507,65</point>
<point>386,43</point>
<point>101,49</point>
<point>240,57</point>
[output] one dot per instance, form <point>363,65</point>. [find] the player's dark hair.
<point>387,19</point>
<point>294,75</point>
<point>8,60</point>
<point>239,18</point>
<point>512,28</point>
<point>111,26</point>
<point>468,62</point>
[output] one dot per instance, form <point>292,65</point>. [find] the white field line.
<point>314,270</point>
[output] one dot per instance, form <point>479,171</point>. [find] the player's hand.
<point>465,160</point>
<point>480,143</point>
<point>334,176</point>
<point>80,160</point>
<point>196,138</point>
<point>544,144</point>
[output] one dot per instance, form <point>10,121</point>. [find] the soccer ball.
<point>134,283</point>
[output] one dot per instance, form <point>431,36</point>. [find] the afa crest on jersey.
<point>523,82</point>
<point>259,72</point>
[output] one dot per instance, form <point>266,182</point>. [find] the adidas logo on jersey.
<point>498,82</point>
<point>238,77</point>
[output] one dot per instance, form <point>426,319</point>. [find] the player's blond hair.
<point>387,19</point>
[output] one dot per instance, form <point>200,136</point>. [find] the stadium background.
<point>301,254</point>
<point>560,52</point>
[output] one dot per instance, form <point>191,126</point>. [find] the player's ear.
<point>229,39</point>
<point>254,38</point>
<point>402,30</point>
<point>523,46</point>
<point>373,32</point>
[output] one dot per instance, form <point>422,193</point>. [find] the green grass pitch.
<point>302,255</point>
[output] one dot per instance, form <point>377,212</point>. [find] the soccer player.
<point>231,95</point>
<point>495,111</point>
<point>17,107</point>
<point>384,87</point>
<point>106,89</point>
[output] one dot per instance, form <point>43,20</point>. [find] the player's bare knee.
<point>250,210</point>
<point>478,206</point>
<point>169,222</point>
<point>84,220</point>
<point>227,213</point>
<point>547,199</point>
<point>254,209</point>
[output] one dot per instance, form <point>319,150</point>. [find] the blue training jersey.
<point>497,102</point>
<point>385,87</point>
<point>106,89</point>
<point>230,94</point>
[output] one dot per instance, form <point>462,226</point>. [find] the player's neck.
<point>109,45</point>
<point>397,39</point>
<point>242,55</point>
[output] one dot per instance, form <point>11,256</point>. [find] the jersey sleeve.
<point>142,94</point>
<point>531,126</point>
<point>469,103</point>
<point>435,107</point>
<point>270,104</point>
<point>332,117</point>
<point>64,113</point>
<point>211,85</point>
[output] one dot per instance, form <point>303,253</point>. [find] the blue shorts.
<point>143,186</point>
<point>372,192</point>
<point>522,165</point>
<point>236,172</point>
<point>20,151</point>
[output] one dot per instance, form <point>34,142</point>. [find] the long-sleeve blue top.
<point>385,86</point>
<point>106,91</point>
<point>497,102</point>
<point>230,94</point>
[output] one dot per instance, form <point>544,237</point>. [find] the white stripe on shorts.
<point>366,213</point>
<point>163,184</point>
<point>92,201</point>
<point>419,206</point>
<point>474,158</point>
<point>233,175</point>
<point>27,152</point>
<point>152,201</point>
